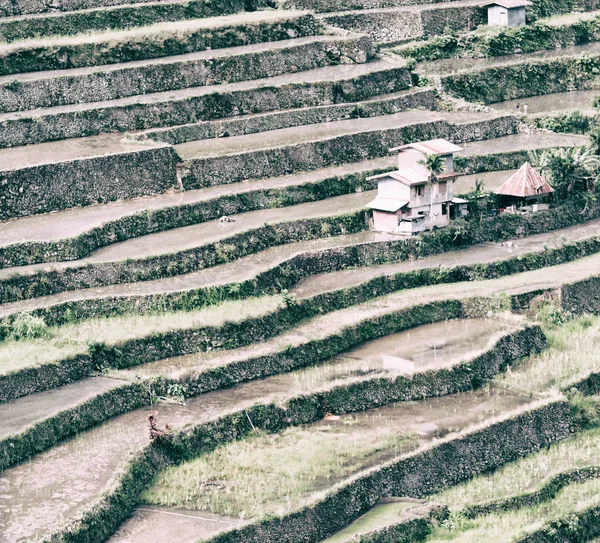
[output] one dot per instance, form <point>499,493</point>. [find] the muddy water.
<point>456,65</point>
<point>521,142</point>
<point>423,348</point>
<point>75,221</point>
<point>305,133</point>
<point>188,237</point>
<point>389,432</point>
<point>79,470</point>
<point>19,414</point>
<point>232,272</point>
<point>317,284</point>
<point>172,525</point>
<point>38,496</point>
<point>577,100</point>
<point>419,422</point>
<point>491,181</point>
<point>386,513</point>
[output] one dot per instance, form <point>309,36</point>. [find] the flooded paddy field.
<point>460,65</point>
<point>188,237</point>
<point>273,474</point>
<point>582,101</point>
<point>73,469</point>
<point>427,347</point>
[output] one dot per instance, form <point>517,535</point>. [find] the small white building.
<point>409,200</point>
<point>507,12</point>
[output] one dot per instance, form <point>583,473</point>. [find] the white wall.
<point>499,16</point>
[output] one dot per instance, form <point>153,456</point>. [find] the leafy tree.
<point>571,172</point>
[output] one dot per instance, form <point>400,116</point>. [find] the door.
<point>504,17</point>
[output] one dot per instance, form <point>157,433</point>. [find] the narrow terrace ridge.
<point>28,503</point>
<point>458,341</point>
<point>465,65</point>
<point>76,221</point>
<point>205,68</point>
<point>127,21</point>
<point>188,237</point>
<point>320,86</point>
<point>328,6</point>
<point>393,25</point>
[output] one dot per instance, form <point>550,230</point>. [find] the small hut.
<point>507,12</point>
<point>524,188</point>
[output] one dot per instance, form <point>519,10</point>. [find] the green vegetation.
<point>273,474</point>
<point>526,475</point>
<point>507,527</point>
<point>498,41</point>
<point>572,355</point>
<point>32,345</point>
<point>569,123</point>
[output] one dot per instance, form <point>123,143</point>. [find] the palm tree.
<point>435,165</point>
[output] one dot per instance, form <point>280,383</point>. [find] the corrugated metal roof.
<point>386,204</point>
<point>408,176</point>
<point>508,4</point>
<point>431,147</point>
<point>525,183</point>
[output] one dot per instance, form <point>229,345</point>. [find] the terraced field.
<point>201,336</point>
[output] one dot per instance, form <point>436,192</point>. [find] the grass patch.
<point>573,353</point>
<point>271,474</point>
<point>510,526</point>
<point>58,343</point>
<point>527,474</point>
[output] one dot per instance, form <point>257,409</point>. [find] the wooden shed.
<point>526,186</point>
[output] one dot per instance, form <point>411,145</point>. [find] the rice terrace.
<point>292,271</point>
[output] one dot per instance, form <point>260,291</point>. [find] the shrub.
<point>26,326</point>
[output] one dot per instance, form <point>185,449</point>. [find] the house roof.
<point>431,147</point>
<point>448,175</point>
<point>524,183</point>
<point>386,204</point>
<point>508,4</point>
<point>408,176</point>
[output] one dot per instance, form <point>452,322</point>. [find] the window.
<point>419,191</point>
<point>444,209</point>
<point>442,187</point>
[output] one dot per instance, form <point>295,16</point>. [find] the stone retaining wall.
<point>60,185</point>
<point>104,85</point>
<point>309,156</point>
<point>219,104</point>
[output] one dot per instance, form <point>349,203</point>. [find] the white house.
<point>409,200</point>
<point>507,12</point>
